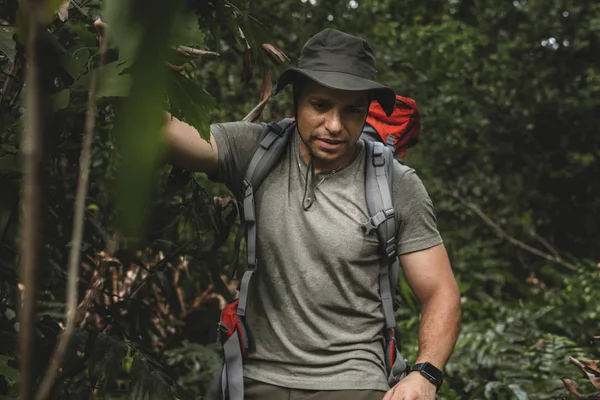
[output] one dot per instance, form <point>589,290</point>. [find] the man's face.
<point>330,122</point>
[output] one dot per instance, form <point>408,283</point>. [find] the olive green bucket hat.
<point>338,60</point>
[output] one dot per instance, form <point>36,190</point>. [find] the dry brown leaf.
<point>63,11</point>
<point>571,387</point>
<point>192,52</point>
<point>589,369</point>
<point>275,54</point>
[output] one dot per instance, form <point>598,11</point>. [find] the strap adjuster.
<point>390,248</point>
<point>246,184</point>
<point>378,161</point>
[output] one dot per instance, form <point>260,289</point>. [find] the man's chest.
<point>330,230</point>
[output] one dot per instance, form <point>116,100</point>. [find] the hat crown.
<point>334,51</point>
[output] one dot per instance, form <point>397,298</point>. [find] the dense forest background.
<point>509,94</point>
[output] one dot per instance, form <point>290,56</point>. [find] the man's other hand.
<point>413,387</point>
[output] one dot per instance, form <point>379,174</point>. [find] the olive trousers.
<point>255,390</point>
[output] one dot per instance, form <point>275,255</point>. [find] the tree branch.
<point>511,239</point>
<point>36,127</point>
<point>78,222</point>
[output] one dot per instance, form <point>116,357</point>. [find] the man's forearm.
<point>439,328</point>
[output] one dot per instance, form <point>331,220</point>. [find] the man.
<point>314,310</point>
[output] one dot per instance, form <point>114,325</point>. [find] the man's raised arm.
<point>187,149</point>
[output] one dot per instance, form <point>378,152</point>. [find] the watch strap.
<point>429,372</point>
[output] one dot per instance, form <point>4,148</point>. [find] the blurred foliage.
<point>509,93</point>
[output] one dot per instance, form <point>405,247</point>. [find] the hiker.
<point>312,316</point>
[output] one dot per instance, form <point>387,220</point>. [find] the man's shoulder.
<point>407,185</point>
<point>402,171</point>
<point>237,127</point>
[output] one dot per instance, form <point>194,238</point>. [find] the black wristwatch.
<point>431,373</point>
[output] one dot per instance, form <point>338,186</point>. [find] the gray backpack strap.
<point>378,189</point>
<point>266,156</point>
<point>273,141</point>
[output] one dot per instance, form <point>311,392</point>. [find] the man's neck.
<point>323,167</point>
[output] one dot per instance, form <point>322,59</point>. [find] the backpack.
<point>385,138</point>
<point>399,131</point>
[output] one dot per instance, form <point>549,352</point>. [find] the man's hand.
<point>413,387</point>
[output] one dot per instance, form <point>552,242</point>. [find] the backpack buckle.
<point>377,219</point>
<point>369,226</point>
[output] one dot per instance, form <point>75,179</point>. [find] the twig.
<point>158,267</point>
<point>502,233</point>
<point>78,8</point>
<point>546,244</point>
<point>78,222</point>
<point>11,75</point>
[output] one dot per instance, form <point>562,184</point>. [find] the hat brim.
<point>385,96</point>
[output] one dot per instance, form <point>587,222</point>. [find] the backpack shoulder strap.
<point>273,141</point>
<point>382,220</point>
<point>378,189</point>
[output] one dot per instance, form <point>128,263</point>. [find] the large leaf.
<point>190,103</point>
<point>61,100</point>
<point>9,373</point>
<point>188,31</point>
<point>83,32</point>
<point>139,122</point>
<point>113,81</point>
<point>75,60</point>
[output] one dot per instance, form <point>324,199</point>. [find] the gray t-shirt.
<point>314,310</point>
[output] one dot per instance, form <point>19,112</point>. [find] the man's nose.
<point>334,122</point>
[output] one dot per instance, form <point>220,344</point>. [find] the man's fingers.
<point>390,394</point>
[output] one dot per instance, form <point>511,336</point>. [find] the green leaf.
<point>10,163</point>
<point>188,31</point>
<point>61,100</point>
<point>85,35</point>
<point>7,44</point>
<point>190,103</point>
<point>75,60</point>
<point>9,148</point>
<point>9,373</point>
<point>139,122</point>
<point>113,82</point>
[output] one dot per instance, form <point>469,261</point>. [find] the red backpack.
<point>400,130</point>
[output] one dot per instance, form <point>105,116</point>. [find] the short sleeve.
<point>236,143</point>
<point>417,225</point>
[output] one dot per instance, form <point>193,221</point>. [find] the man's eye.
<point>356,110</point>
<point>318,106</point>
